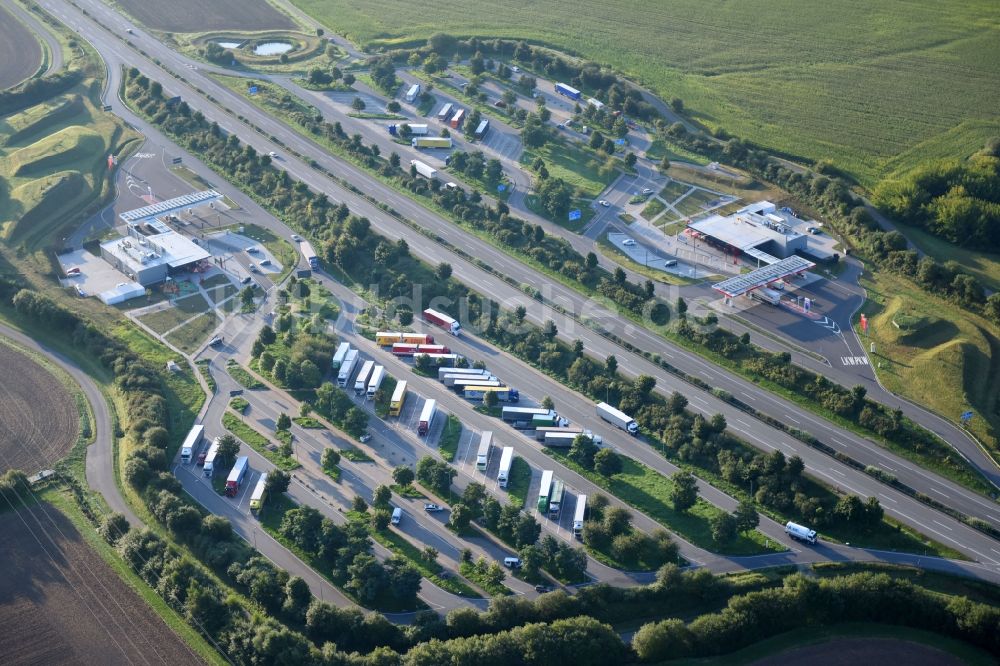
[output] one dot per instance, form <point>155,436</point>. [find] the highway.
<point>896,504</point>
<point>838,438</point>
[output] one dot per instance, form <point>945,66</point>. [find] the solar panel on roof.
<point>741,284</point>
<point>163,207</point>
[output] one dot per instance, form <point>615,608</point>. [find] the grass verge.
<point>448,444</point>
<point>257,442</point>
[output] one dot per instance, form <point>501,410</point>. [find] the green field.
<point>577,166</point>
<point>867,84</point>
<point>191,335</point>
<point>176,314</point>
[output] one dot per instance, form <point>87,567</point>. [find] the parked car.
<point>367,437</point>
<point>296,238</point>
<point>253,268</point>
<point>431,508</point>
<point>604,202</point>
<point>541,589</point>
<point>647,190</point>
<point>265,262</point>
<point>629,242</point>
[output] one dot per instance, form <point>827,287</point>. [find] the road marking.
<point>887,498</point>
<point>942,525</point>
<point>747,395</point>
<point>790,418</point>
<point>854,360</point>
<point>837,471</point>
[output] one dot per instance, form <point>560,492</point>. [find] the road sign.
<point>501,188</point>
<point>177,160</point>
<point>620,142</point>
<point>806,304</point>
<point>967,416</point>
<point>575,215</point>
<point>253,90</point>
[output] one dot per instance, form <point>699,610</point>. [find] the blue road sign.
<point>620,142</point>
<point>575,215</point>
<point>967,415</point>
<point>501,188</point>
<point>253,90</point>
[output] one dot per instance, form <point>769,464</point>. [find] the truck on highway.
<point>425,170</point>
<point>398,398</point>
<point>457,119</point>
<point>375,382</point>
<point>579,515</point>
<point>483,453</point>
<point>556,498</point>
<point>361,381</point>
<point>236,475</point>
<point>444,321</point>
<point>309,254</point>
<point>483,128</point>
<point>444,372</point>
<point>213,453</point>
<point>259,495</point>
<point>617,418</point>
<point>445,112</point>
<point>544,487</point>
<point>413,93</point>
<point>801,532</point>
<point>347,368</point>
<point>567,91</point>
<point>766,295</point>
<point>426,417</point>
<point>340,355</point>
<point>522,417</point>
<point>506,460</point>
<point>192,443</point>
<point>503,393</point>
<point>431,142</point>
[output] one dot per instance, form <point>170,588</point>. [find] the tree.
<point>684,494</point>
<point>277,481</point>
<point>723,527</point>
<point>611,366</point>
<point>381,495</point>
<point>582,451</point>
<point>682,307</point>
<point>229,447</point>
<point>349,79</point>
<point>403,475</point>
<point>380,519</point>
<point>607,462</point>
<point>461,516</point>
<point>547,402</point>
<point>664,164</point>
<point>630,160</point>
<point>746,516</point>
<point>355,421</point>
<point>443,271</point>
<point>246,298</point>
<point>359,504</point>
<point>330,458</point>
<point>283,422</point>
<point>358,104</point>
<point>490,400</point>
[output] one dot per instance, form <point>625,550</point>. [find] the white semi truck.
<point>506,460</point>
<point>347,368</point>
<point>617,418</point>
<point>801,532</point>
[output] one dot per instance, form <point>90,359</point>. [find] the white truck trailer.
<point>425,170</point>
<point>483,454</point>
<point>375,382</point>
<point>191,443</point>
<point>347,368</point>
<point>361,381</point>
<point>617,418</point>
<point>506,460</point>
<point>801,532</point>
<point>413,93</point>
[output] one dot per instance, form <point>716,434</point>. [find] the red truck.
<point>444,321</point>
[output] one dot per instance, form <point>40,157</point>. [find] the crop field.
<point>60,603</point>
<point>865,83</point>
<point>198,16</point>
<point>20,52</point>
<point>39,421</point>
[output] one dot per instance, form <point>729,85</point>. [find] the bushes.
<point>436,475</point>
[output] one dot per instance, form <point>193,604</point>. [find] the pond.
<point>230,45</point>
<point>272,48</point>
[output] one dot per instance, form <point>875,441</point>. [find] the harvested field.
<point>61,604</point>
<point>863,651</point>
<point>197,16</point>
<point>39,420</point>
<point>20,52</point>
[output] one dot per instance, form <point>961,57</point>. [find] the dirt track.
<point>856,651</point>
<point>199,16</point>
<point>61,604</point>
<point>20,52</point>
<point>39,420</point>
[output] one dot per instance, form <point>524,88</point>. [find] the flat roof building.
<point>151,259</point>
<point>755,229</point>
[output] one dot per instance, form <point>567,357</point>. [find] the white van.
<point>512,562</point>
<point>397,515</point>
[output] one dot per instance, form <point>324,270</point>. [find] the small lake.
<point>230,45</point>
<point>272,48</point>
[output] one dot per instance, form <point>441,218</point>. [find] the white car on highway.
<point>604,202</point>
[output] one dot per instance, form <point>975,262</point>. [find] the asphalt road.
<point>896,504</point>
<point>100,462</point>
